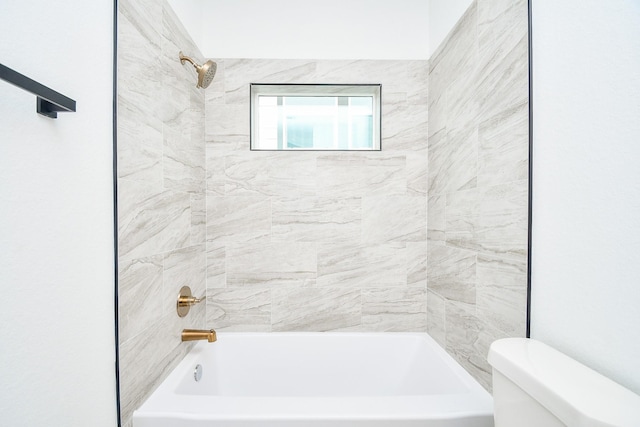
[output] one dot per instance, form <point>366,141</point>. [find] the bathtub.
<point>318,380</point>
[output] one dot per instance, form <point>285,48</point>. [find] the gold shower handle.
<point>186,300</point>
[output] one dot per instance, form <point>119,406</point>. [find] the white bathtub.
<point>317,380</point>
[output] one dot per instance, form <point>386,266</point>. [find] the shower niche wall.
<point>428,234</point>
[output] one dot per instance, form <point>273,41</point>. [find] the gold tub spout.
<point>199,334</point>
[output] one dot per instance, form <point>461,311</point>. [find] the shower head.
<point>205,71</point>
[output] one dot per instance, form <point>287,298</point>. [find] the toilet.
<point>535,385</point>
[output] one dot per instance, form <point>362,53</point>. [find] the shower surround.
<point>317,240</point>
<point>321,241</point>
<point>478,183</point>
<point>161,196</point>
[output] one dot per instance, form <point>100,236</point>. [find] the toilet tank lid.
<point>576,394</point>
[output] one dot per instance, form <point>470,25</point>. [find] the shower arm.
<point>186,58</point>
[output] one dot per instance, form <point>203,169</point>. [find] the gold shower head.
<point>205,71</point>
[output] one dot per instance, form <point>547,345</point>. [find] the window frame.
<point>316,89</point>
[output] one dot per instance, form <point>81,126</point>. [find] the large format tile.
<point>468,340</point>
<point>502,293</point>
<point>394,219</point>
<point>183,162</point>
<point>436,318</point>
<point>239,309</point>
<point>503,79</point>
<point>313,219</point>
<point>360,266</point>
<point>198,217</point>
<point>140,295</point>
<point>315,309</point>
<point>451,273</point>
<point>270,173</point>
<point>436,220</point>
<point>238,218</point>
<point>394,310</point>
<point>503,154</point>
<point>417,264</point>
<point>146,360</point>
<point>151,222</point>
<point>492,220</point>
<point>216,265</point>
<point>261,263</point>
<point>358,174</point>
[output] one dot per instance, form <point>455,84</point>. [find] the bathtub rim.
<point>474,403</point>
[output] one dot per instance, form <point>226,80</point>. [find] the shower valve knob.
<point>186,300</point>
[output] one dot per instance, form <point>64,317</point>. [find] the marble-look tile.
<point>501,23</point>
<point>358,174</point>
<point>238,218</point>
<point>453,160</point>
<point>261,263</point>
<point>241,72</point>
<point>216,265</point>
<point>468,340</point>
<point>437,113</point>
<point>493,220</point>
<point>215,153</point>
<point>146,18</point>
<point>239,309</point>
<point>417,172</point>
<point>451,273</point>
<point>140,295</point>
<point>417,264</point>
<point>183,267</point>
<point>462,108</point>
<point>315,309</point>
<point>436,318</point>
<point>177,80</point>
<point>451,56</point>
<point>394,218</point>
<point>315,219</point>
<point>270,173</point>
<point>228,123</point>
<point>146,360</point>
<point>139,146</point>
<point>503,154</point>
<point>151,222</point>
<point>183,162</point>
<point>353,265</point>
<point>502,293</point>
<point>139,82</point>
<point>198,218</point>
<point>436,220</point>
<point>503,79</point>
<point>404,126</point>
<point>394,310</point>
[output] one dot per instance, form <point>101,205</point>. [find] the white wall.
<point>328,29</point>
<point>586,183</point>
<point>190,13</point>
<point>56,231</point>
<point>443,15</point>
<point>364,29</point>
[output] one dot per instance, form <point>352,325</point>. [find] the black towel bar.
<point>49,102</point>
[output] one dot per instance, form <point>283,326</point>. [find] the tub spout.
<point>199,334</point>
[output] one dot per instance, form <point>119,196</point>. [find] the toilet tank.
<point>536,385</point>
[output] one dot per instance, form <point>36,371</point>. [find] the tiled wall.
<point>321,241</point>
<point>478,168</point>
<point>161,195</point>
<point>317,241</point>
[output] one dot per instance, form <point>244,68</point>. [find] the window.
<point>315,117</point>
